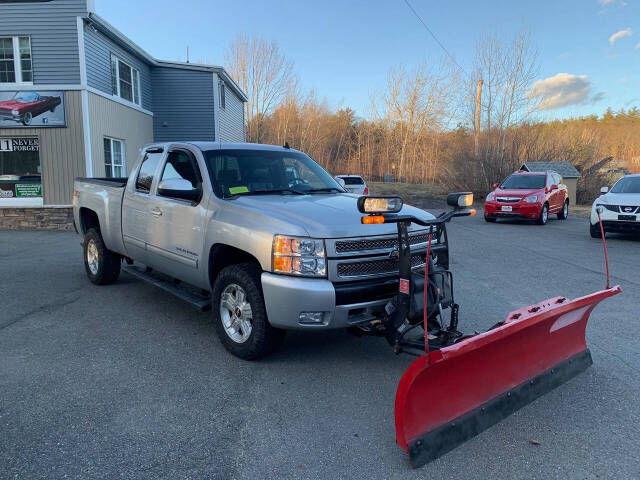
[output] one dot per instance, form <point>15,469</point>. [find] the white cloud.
<point>638,46</point>
<point>561,90</point>
<point>605,2</point>
<point>624,79</point>
<point>620,34</point>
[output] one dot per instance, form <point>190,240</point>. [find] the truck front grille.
<point>346,246</point>
<point>384,266</point>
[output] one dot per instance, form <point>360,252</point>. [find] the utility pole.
<point>187,53</point>
<point>477,124</point>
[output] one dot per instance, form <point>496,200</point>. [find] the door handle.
<point>156,212</point>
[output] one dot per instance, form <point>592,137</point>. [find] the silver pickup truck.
<point>262,235</point>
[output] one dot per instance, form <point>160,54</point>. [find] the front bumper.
<point>611,221</point>
<point>520,209</point>
<point>10,116</point>
<point>343,305</point>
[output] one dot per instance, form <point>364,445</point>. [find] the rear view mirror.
<point>604,189</point>
<point>178,188</point>
<point>554,187</point>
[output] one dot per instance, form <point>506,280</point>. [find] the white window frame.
<point>135,87</point>
<point>17,65</point>
<point>123,150</point>
<point>223,96</point>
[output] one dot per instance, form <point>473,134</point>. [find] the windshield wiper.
<point>270,192</point>
<point>324,190</point>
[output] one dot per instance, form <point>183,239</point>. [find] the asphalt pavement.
<point>125,381</point>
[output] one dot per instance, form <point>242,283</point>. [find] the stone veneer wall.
<point>36,218</point>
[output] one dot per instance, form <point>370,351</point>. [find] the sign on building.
<point>26,108</point>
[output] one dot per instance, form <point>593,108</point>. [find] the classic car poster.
<point>28,108</point>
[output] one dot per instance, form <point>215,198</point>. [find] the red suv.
<point>528,195</point>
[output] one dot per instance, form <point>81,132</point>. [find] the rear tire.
<point>594,230</point>
<point>564,213</point>
<point>489,219</point>
<point>544,215</point>
<point>101,264</point>
<point>235,288</point>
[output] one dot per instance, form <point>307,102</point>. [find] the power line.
<point>432,34</point>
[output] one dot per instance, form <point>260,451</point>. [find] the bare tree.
<point>263,73</point>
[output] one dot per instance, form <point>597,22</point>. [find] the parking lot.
<point>125,381</point>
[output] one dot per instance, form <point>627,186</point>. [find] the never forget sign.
<point>19,144</point>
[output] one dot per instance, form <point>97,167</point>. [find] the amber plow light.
<point>371,219</point>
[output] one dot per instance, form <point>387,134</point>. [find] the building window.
<point>223,100</point>
<point>15,60</point>
<point>125,80</point>
<point>114,161</point>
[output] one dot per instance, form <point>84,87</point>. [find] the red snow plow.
<point>462,384</point>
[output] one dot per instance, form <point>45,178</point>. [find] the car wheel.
<point>102,265</point>
<point>564,213</point>
<point>594,231</point>
<point>26,118</point>
<point>489,219</point>
<point>240,317</point>
<point>544,215</point>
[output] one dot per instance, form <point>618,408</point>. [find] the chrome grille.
<point>376,267</point>
<point>508,199</point>
<point>344,246</point>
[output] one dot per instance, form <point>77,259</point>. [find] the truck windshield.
<point>524,182</point>
<point>627,185</point>
<point>258,172</point>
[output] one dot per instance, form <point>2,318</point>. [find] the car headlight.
<point>491,197</point>
<point>15,112</point>
<point>298,256</point>
<point>531,199</point>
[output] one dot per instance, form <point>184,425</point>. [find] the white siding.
<point>231,117</point>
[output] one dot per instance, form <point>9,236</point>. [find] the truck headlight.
<point>531,199</point>
<point>298,256</point>
<point>15,112</point>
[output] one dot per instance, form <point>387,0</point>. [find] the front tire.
<point>594,230</point>
<point>544,215</point>
<point>26,119</point>
<point>564,213</point>
<point>239,313</point>
<point>101,264</point>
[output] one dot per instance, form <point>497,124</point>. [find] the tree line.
<point>421,126</point>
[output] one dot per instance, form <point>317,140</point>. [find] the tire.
<point>101,264</point>
<point>564,213</point>
<point>544,215</point>
<point>244,332</point>
<point>594,231</point>
<point>489,219</point>
<point>26,119</point>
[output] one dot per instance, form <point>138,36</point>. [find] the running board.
<point>183,291</point>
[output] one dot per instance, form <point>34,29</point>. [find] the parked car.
<point>353,184</point>
<point>272,249</point>
<point>621,207</point>
<point>528,195</point>
<point>24,106</point>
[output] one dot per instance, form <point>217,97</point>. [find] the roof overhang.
<point>115,35</point>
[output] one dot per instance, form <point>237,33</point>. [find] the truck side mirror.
<point>179,188</point>
<point>604,189</point>
<point>341,182</point>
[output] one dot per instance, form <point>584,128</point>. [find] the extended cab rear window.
<point>352,180</point>
<point>524,182</point>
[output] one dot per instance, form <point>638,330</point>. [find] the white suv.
<point>353,184</point>
<point>621,207</point>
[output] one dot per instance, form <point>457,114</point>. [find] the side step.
<point>183,291</point>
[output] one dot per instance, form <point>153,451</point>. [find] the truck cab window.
<point>181,164</point>
<point>147,171</point>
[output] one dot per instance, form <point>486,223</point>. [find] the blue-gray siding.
<point>231,118</point>
<point>183,106</point>
<point>98,49</point>
<point>54,36</point>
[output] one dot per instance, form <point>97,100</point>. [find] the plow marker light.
<point>450,395</point>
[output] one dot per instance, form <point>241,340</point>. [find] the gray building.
<point>566,170</point>
<point>78,98</point>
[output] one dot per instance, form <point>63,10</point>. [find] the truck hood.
<point>322,216</point>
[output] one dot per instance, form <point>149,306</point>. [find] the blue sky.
<point>343,49</point>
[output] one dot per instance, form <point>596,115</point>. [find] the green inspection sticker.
<point>236,190</point>
<point>28,190</point>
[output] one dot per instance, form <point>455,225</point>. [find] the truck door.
<point>136,214</point>
<point>176,234</point>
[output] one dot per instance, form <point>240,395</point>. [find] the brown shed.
<point>566,170</point>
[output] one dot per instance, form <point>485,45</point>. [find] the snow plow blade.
<point>450,395</point>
